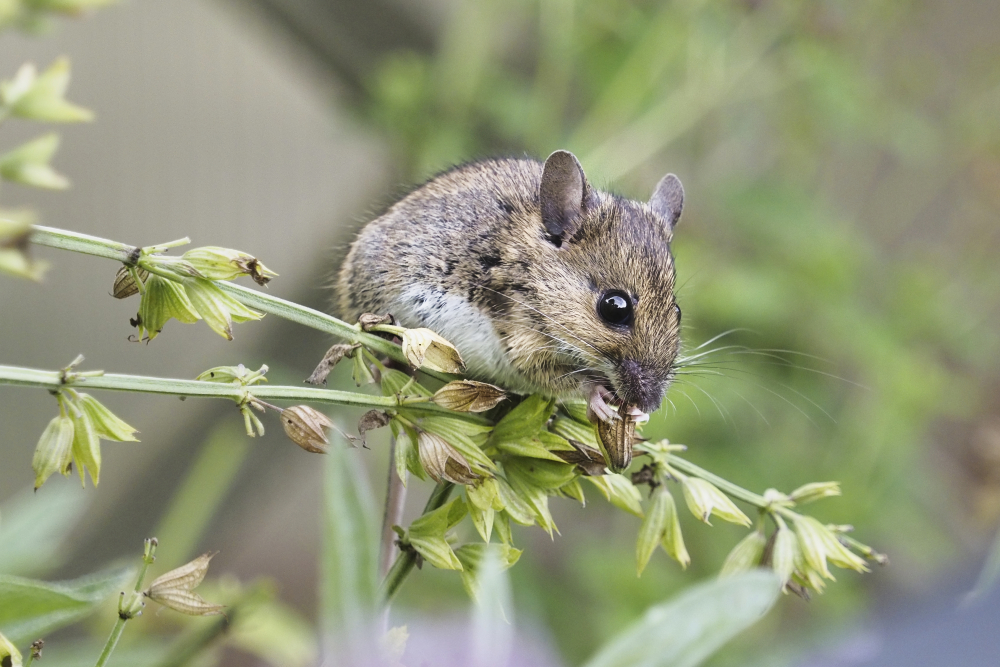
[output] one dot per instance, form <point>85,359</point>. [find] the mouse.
<point>542,282</point>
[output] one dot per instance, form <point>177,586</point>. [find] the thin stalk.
<point>408,558</point>
<point>395,501</point>
<point>16,375</point>
<point>121,252</point>
<point>129,606</point>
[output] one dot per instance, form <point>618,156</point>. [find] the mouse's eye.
<point>615,307</point>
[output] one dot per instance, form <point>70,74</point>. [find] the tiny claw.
<point>637,415</point>
<point>598,408</point>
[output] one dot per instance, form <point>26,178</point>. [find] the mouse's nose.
<point>639,386</point>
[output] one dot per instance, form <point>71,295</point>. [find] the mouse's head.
<point>601,289</point>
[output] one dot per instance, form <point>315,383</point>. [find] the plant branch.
<point>395,501</point>
<point>121,252</point>
<point>15,375</point>
<point>408,557</point>
<point>129,606</point>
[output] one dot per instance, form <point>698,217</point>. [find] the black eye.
<point>677,309</point>
<point>615,307</point>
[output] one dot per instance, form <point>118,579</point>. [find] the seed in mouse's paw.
<point>617,437</point>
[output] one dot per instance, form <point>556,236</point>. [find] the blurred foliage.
<point>842,192</point>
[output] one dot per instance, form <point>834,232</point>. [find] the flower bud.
<point>442,461</point>
<point>653,528</point>
<point>673,539</point>
<point>15,243</point>
<point>807,493</point>
<point>9,655</point>
<point>28,164</point>
<point>86,447</point>
<point>745,555</point>
<point>162,300</point>
<point>468,396</point>
<point>785,555</point>
<point>216,263</point>
<point>616,438</point>
<point>425,349</point>
<point>125,285</point>
<point>175,589</point>
<point>306,427</point>
<point>704,500</point>
<point>215,306</point>
<point>54,451</point>
<point>42,97</point>
<point>361,372</point>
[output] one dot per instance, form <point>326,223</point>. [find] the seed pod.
<point>786,556</point>
<point>704,500</point>
<point>745,555</point>
<point>54,451</point>
<point>370,421</point>
<point>369,320</point>
<point>442,461</point>
<point>9,655</point>
<point>330,359</point>
<point>616,438</point>
<point>807,493</point>
<point>86,448</point>
<point>306,427</point>
<point>175,589</point>
<point>217,263</point>
<point>468,396</point>
<point>125,285</point>
<point>106,423</point>
<point>425,349</point>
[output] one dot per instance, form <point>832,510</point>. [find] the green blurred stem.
<point>127,254</point>
<point>129,605</point>
<point>408,557</point>
<point>16,375</point>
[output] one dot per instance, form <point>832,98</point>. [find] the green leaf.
<point>350,557</point>
<point>28,164</point>
<point>574,430</point>
<point>34,608</point>
<point>524,421</point>
<point>686,630</point>
<point>34,526</point>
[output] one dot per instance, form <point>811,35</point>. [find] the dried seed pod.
<point>125,285</point>
<point>468,396</point>
<point>369,320</point>
<point>588,461</point>
<point>425,349</point>
<point>372,420</point>
<point>442,461</point>
<point>617,437</point>
<point>306,427</point>
<point>175,589</point>
<point>331,359</point>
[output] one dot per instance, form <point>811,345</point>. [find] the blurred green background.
<point>842,168</point>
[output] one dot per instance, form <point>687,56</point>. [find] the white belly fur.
<point>466,327</point>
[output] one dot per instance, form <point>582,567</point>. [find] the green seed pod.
<point>54,451</point>
<point>107,425</point>
<point>745,555</point>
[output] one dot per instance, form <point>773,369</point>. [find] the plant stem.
<point>98,247</point>
<point>395,501</point>
<point>408,558</point>
<point>16,375</point>
<point>129,606</point>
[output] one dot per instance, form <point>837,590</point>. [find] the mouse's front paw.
<point>598,408</point>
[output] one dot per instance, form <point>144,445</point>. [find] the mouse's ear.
<point>564,193</point>
<point>668,199</point>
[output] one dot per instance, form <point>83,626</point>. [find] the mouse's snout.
<point>640,385</point>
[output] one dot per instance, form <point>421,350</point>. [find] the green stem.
<point>408,557</point>
<point>16,375</point>
<point>129,606</point>
<point>98,247</point>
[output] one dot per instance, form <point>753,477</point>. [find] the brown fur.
<point>471,246</point>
